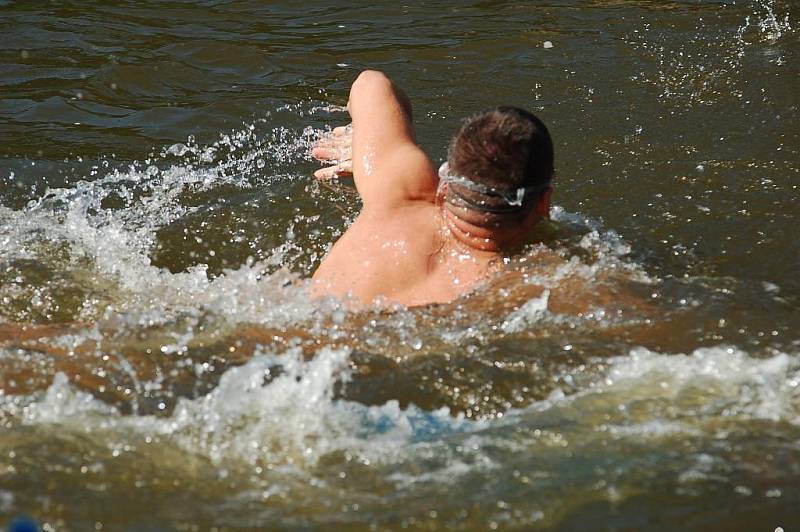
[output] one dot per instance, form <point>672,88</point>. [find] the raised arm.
<point>387,165</point>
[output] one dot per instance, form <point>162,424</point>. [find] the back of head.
<point>505,148</point>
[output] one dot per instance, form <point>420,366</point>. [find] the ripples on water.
<point>161,366</point>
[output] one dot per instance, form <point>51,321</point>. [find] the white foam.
<point>532,311</point>
<point>280,411</point>
<point>109,249</point>
<point>608,250</point>
<point>766,388</point>
<point>62,403</point>
<point>675,393</point>
<point>283,420</point>
<point>275,409</point>
<point>652,429</point>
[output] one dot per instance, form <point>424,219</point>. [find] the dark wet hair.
<point>505,148</point>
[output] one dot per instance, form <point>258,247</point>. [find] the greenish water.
<point>162,367</point>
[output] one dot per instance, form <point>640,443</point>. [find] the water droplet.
<point>178,149</point>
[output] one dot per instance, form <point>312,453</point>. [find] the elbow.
<point>373,85</point>
<point>370,81</point>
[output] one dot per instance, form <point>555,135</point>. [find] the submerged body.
<point>408,245</point>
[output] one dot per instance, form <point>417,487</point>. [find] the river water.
<point>163,368</point>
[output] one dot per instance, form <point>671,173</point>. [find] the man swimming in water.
<point>426,237</point>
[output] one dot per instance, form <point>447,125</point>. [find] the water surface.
<point>163,368</point>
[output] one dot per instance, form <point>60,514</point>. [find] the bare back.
<point>397,250</point>
<point>406,246</point>
<point>401,256</point>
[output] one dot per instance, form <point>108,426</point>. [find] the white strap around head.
<point>512,198</point>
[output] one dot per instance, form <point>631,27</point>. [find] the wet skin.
<point>405,246</point>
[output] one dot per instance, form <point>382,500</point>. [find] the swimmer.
<point>424,236</point>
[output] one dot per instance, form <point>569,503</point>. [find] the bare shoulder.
<point>411,224</point>
<point>384,253</point>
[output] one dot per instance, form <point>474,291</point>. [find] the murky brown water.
<point>162,367</point>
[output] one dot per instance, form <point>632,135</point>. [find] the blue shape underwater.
<point>23,524</point>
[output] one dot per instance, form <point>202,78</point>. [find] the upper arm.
<point>388,166</point>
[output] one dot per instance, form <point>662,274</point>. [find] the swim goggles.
<point>511,198</point>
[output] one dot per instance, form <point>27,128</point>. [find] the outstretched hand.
<point>335,147</point>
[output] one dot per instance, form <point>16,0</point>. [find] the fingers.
<point>345,168</point>
<point>325,153</point>
<point>335,146</point>
<point>336,138</point>
<point>326,173</point>
<point>342,135</point>
<point>331,151</point>
<point>343,131</point>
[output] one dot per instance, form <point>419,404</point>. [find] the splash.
<point>706,66</point>
<point>766,388</point>
<point>86,251</point>
<point>273,410</point>
<point>283,410</point>
<point>532,311</point>
<point>769,25</point>
<point>764,26</point>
